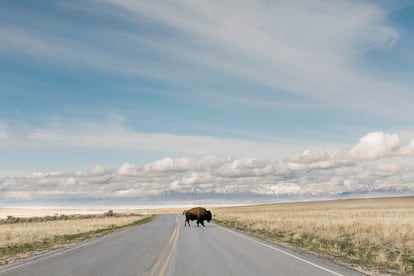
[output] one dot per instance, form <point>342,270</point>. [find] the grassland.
<point>375,235</point>
<point>22,236</point>
<point>29,212</point>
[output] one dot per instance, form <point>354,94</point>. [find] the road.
<point>165,247</point>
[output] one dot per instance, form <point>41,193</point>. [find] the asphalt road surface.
<point>165,247</point>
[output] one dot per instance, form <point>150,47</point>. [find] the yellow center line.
<point>167,252</point>
<point>173,246</point>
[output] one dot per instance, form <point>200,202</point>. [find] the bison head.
<point>208,216</point>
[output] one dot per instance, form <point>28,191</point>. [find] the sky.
<point>130,102</point>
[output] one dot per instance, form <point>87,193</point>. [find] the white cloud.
<point>408,149</point>
<point>71,181</point>
<point>185,164</point>
<point>371,147</point>
<point>375,145</point>
<point>317,165</point>
<point>127,169</point>
<point>316,159</point>
<point>246,167</point>
<point>169,164</point>
<point>365,167</point>
<point>185,183</point>
<point>46,174</point>
<point>309,156</point>
<point>210,162</point>
<point>387,169</point>
<point>98,171</point>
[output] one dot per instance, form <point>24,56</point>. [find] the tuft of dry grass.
<point>22,239</point>
<point>372,233</point>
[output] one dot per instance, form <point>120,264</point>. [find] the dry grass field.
<point>26,212</point>
<point>373,234</point>
<point>24,238</point>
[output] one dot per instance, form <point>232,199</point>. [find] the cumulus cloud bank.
<point>376,145</point>
<point>379,162</point>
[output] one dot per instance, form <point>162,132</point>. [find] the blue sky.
<point>100,84</point>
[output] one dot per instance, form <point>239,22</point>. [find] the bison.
<point>200,214</point>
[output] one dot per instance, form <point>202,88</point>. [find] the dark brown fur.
<point>199,213</point>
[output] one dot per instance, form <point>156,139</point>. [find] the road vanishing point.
<point>165,247</point>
